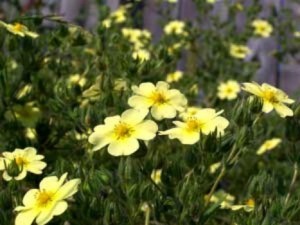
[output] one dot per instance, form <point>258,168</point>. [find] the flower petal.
<point>283,110</point>
<point>123,147</point>
<point>60,208</point>
<point>133,116</point>
<point>68,189</point>
<point>146,130</point>
<point>29,198</point>
<point>26,217</point>
<point>137,101</point>
<point>267,107</point>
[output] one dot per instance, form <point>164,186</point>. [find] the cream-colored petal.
<point>146,130</point>
<point>162,86</point>
<point>8,155</point>
<point>139,102</point>
<point>21,175</point>
<point>267,107</point>
<point>45,216</point>
<point>253,88</point>
<point>60,208</point>
<point>26,217</point>
<point>30,152</point>
<point>134,116</point>
<point>144,89</point>
<point>36,167</point>
<point>52,183</point>
<point>100,140</point>
<point>6,176</point>
<point>110,121</point>
<point>184,136</point>
<point>67,190</point>
<point>283,110</point>
<point>29,198</point>
<point>123,147</point>
<point>160,112</point>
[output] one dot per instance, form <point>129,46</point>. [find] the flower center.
<point>229,90</point>
<point>159,98</point>
<point>192,125</point>
<point>21,161</point>
<point>18,27</point>
<point>271,97</point>
<point>122,130</point>
<point>44,198</point>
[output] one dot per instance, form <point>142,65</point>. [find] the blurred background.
<point>284,73</point>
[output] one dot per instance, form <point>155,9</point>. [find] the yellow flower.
<point>248,207</point>
<point>239,51</point>
<point>211,1</point>
<point>25,90</point>
<point>205,121</point>
<point>156,176</point>
<point>221,197</point>
<point>28,114</point>
<point>121,133</point>
<point>262,28</point>
<point>16,164</point>
<point>141,54</point>
<point>76,79</point>
<point>175,27</point>
<point>174,77</point>
<point>118,16</point>
<point>46,202</point>
<point>137,37</point>
<point>19,29</point>
<point>297,34</point>
<point>120,85</point>
<point>268,145</point>
<point>164,102</point>
<point>228,90</point>
<point>30,133</point>
<point>271,97</point>
<point>214,167</point>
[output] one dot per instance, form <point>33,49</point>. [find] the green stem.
<point>292,183</point>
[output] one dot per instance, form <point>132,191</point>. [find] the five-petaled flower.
<point>46,202</point>
<point>121,133</point>
<point>16,164</point>
<point>272,98</point>
<point>228,90</point>
<point>176,27</point>
<point>19,29</point>
<point>205,121</point>
<point>262,28</point>
<point>239,51</point>
<point>164,102</point>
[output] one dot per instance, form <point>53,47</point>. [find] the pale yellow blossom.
<point>268,145</point>
<point>163,101</point>
<point>271,97</point>
<point>46,202</point>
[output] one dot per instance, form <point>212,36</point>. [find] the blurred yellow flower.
<point>228,90</point>
<point>139,38</point>
<point>239,51</point>
<point>27,114</point>
<point>30,133</point>
<point>248,207</point>
<point>297,34</point>
<point>76,79</point>
<point>211,1</point>
<point>19,29</point>
<point>46,202</point>
<point>120,84</point>
<point>174,77</point>
<point>272,98</point>
<point>176,27</point>
<point>164,102</point>
<point>121,133</point>
<point>262,28</point>
<point>141,54</point>
<point>156,176</point>
<point>205,121</point>
<point>117,17</point>
<point>25,90</point>
<point>225,200</point>
<point>268,145</point>
<point>214,167</point>
<point>16,164</point>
